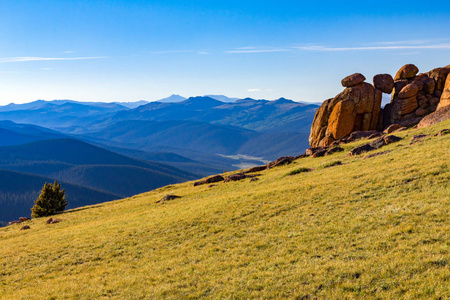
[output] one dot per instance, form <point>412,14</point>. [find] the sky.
<point>147,50</point>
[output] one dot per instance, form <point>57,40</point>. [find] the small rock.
<point>49,221</point>
<point>254,179</point>
<point>418,138</point>
<point>384,82</point>
<point>212,179</point>
<point>392,128</point>
<point>361,149</point>
<point>14,222</point>
<point>211,185</point>
<point>168,198</point>
<point>311,151</point>
<point>280,162</point>
<point>55,221</point>
<point>377,154</point>
<point>443,132</point>
<point>353,79</point>
<point>334,150</point>
<point>25,227</point>
<point>319,153</point>
<point>406,72</point>
<point>378,143</point>
<point>256,169</point>
<point>239,176</point>
<point>389,139</point>
<point>374,135</point>
<point>23,219</point>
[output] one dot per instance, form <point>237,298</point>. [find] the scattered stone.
<point>377,154</point>
<point>55,221</point>
<point>14,222</point>
<point>406,72</point>
<point>239,176</point>
<point>23,219</point>
<point>389,139</point>
<point>353,79</point>
<point>49,221</point>
<point>25,227</point>
<point>211,185</point>
<point>311,151</point>
<point>168,198</point>
<point>443,132</point>
<point>375,135</point>
<point>357,135</point>
<point>361,149</point>
<point>254,179</point>
<point>319,153</point>
<point>384,82</point>
<point>418,138</point>
<point>301,156</point>
<point>256,169</point>
<point>280,162</point>
<point>392,128</point>
<point>378,143</point>
<point>334,150</point>
<point>400,129</point>
<point>212,179</point>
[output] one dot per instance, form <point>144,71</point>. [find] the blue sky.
<point>147,50</point>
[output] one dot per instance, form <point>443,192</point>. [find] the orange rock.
<point>410,90</point>
<point>404,106</point>
<point>342,119</point>
<point>445,98</point>
<point>383,82</point>
<point>353,79</point>
<point>406,72</point>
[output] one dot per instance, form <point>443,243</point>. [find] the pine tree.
<point>51,201</point>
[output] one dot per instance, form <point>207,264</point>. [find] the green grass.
<point>376,228</point>
<point>298,171</point>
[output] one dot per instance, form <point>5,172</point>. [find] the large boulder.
<point>440,115</point>
<point>357,108</point>
<point>384,82</point>
<point>353,79</point>
<point>406,72</point>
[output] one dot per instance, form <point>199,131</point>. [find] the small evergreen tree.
<point>51,201</point>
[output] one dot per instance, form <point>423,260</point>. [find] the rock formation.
<point>415,95</point>
<point>358,107</point>
<point>355,109</point>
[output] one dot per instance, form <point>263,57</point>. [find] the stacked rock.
<point>357,108</point>
<point>414,95</point>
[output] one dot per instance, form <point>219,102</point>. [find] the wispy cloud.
<point>365,48</point>
<point>203,52</point>
<point>251,50</point>
<point>31,58</point>
<point>253,90</point>
<point>69,51</point>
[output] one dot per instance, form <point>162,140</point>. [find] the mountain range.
<point>121,149</point>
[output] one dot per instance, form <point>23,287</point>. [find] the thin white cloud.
<point>203,52</point>
<point>30,58</point>
<point>253,90</point>
<point>257,50</point>
<point>391,47</point>
<point>172,51</point>
<point>69,51</point>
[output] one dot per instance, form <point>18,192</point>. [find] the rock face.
<point>416,95</point>
<point>357,108</point>
<point>445,98</point>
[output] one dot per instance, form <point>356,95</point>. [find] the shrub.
<point>297,171</point>
<point>51,201</point>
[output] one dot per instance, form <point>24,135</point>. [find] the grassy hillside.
<point>371,228</point>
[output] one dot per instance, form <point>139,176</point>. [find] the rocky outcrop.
<point>357,108</point>
<point>211,179</point>
<point>416,95</point>
<point>440,115</point>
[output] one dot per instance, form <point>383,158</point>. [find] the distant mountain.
<point>132,104</point>
<point>15,134</point>
<point>172,99</point>
<point>18,191</point>
<point>83,164</point>
<point>222,98</point>
<point>281,115</point>
<point>60,113</point>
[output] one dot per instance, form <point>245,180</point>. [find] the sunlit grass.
<point>369,228</point>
